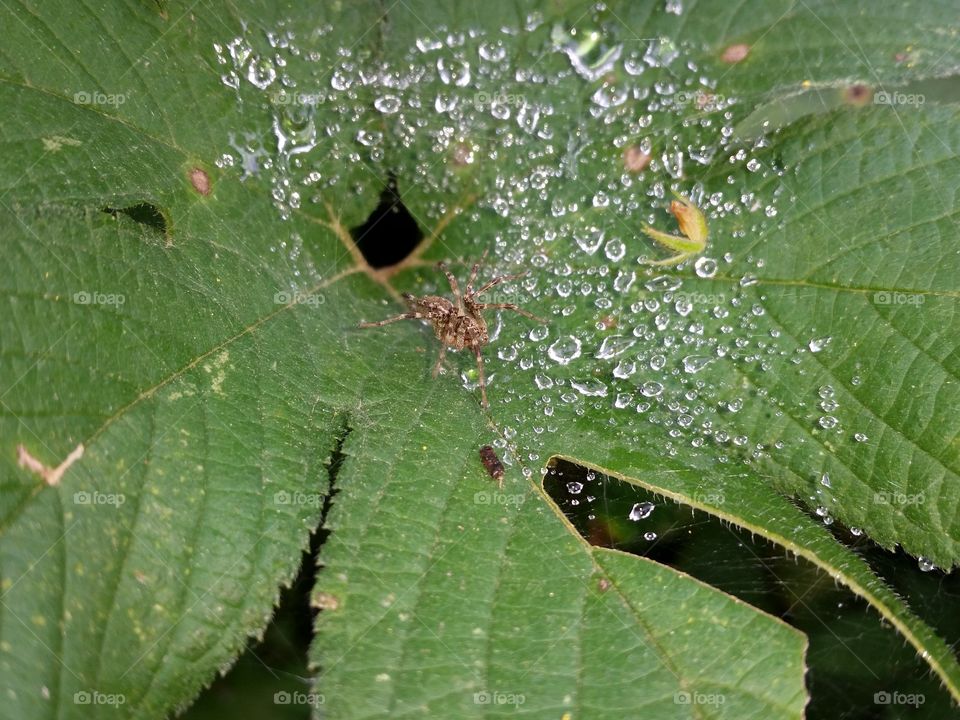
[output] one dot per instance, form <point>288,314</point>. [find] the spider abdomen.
<point>459,330</point>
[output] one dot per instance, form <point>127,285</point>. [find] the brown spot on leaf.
<point>603,584</point>
<point>51,476</point>
<point>200,181</point>
<point>635,159</point>
<point>325,601</point>
<point>858,95</point>
<point>735,53</point>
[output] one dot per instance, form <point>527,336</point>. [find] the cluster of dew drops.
<point>642,341</point>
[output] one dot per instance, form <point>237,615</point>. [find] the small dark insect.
<point>458,324</point>
<point>488,456</point>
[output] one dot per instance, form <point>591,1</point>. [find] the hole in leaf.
<point>143,213</point>
<point>853,655</point>
<point>390,233</point>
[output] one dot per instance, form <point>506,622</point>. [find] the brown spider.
<point>457,325</point>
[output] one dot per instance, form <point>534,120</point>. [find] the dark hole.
<point>277,665</point>
<point>853,656</point>
<point>145,214</point>
<point>390,233</point>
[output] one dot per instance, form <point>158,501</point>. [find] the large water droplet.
<point>705,267</point>
<point>387,104</point>
<point>818,344</point>
<point>695,363</point>
<point>564,350</point>
<point>454,72</point>
<point>261,72</point>
<point>614,345</point>
<point>589,387</point>
<point>664,282</point>
<point>651,388</point>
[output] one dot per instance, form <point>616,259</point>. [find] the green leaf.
<point>183,301</point>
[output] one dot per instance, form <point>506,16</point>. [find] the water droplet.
<point>825,480</point>
<point>641,511</point>
<point>261,72</point>
<point>705,267</point>
<point>650,536</point>
<point>663,282</point>
<point>543,382</point>
<point>925,564</point>
<point>369,138</point>
<point>539,333</point>
<point>695,363</point>
<point>387,104</point>
<point>589,240</point>
<point>860,437</point>
<point>828,422</point>
<point>624,369</point>
<point>615,250</point>
<point>574,487</point>
<point>624,280</point>
<point>651,389</point>
<point>614,345</point>
<point>494,52</point>
<point>590,388</point>
<point>454,72</point>
<point>818,344</point>
<point>674,7</point>
<point>564,350</point>
<point>590,58</point>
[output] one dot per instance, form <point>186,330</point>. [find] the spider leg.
<point>510,306</point>
<point>500,279</point>
<point>405,316</point>
<point>454,287</point>
<point>474,271</point>
<point>440,359</point>
<point>483,381</point>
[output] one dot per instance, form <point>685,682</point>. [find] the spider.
<point>458,324</point>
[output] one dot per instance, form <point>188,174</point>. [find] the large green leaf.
<point>184,298</point>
